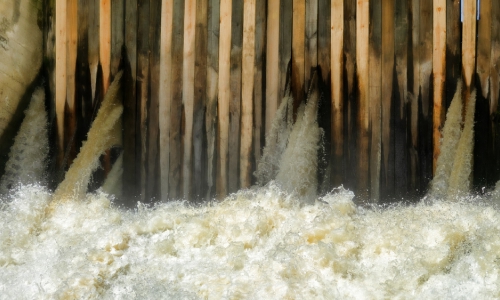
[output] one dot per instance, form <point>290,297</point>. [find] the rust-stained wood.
<point>468,45</point>
<point>165,94</point>
<point>188,61</point>
<point>200,86</point>
<point>247,89</point>
<point>311,39</point>
<point>337,83</point>
<point>439,75</point>
<point>298,51</point>
<point>260,71</point>
<point>375,92</point>
<point>176,125</point>
<point>224,94</point>
<point>153,172</point>
<point>387,85</point>
<point>484,47</point>
<point>285,46</point>
<point>362,54</point>
<point>143,11</point>
<point>94,43</point>
<point>235,103</point>
<point>61,73</point>
<point>272,61</point>
<point>211,92</point>
<point>105,41</point>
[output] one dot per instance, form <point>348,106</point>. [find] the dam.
<point>234,149</point>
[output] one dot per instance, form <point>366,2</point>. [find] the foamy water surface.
<point>257,244</point>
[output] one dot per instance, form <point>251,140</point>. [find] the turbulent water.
<point>268,242</point>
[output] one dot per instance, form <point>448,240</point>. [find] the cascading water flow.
<point>268,242</point>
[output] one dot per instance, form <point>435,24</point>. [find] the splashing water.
<point>261,243</point>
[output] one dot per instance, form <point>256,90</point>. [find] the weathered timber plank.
<point>117,34</point>
<point>130,186</point>
<point>235,103</point>
<point>453,48</point>
<point>105,41</point>
<point>400,107</point>
<point>272,61</point>
<point>414,91</point>
<point>311,39</point>
<point>176,119</point>
<point>386,94</point>
<point>375,92</point>
<point>93,55</point>
<point>439,75</point>
<point>224,94</point>
<point>468,45</point>
<point>363,117</point>
<point>285,46</point>
<point>247,89</point>
<point>165,94</point>
<point>298,51</point>
<point>61,71</point>
<point>153,172</point>
<point>188,61</point>
<point>336,86</point>
<point>484,47</point>
<point>324,37</point>
<point>72,48</point>
<point>200,100</point>
<point>212,95</point>
<point>143,12</point>
<point>495,58</point>
<point>425,55</point>
<point>259,87</point>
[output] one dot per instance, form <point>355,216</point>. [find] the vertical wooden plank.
<point>235,103</point>
<point>153,172</point>
<point>375,93</point>
<point>386,101</point>
<point>130,186</point>
<point>61,70</point>
<point>105,41</point>
<point>259,77</point>
<point>400,107</point>
<point>495,58</point>
<point>83,91</point>
<point>117,37</point>
<point>484,47</point>
<point>324,37</point>
<point>414,91</point>
<point>188,90</point>
<point>93,33</point>
<point>143,12</point>
<point>224,94</point>
<point>425,36</point>
<point>175,189</point>
<point>247,90</point>
<point>468,45</point>
<point>272,61</point>
<point>72,46</point>
<point>298,51</point>
<point>212,88</point>
<point>311,39</point>
<point>165,93</point>
<point>337,85</point>
<point>285,45</point>
<point>200,100</point>
<point>362,59</point>
<point>439,75</point>
<point>453,48</point>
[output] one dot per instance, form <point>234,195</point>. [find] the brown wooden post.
<point>61,73</point>
<point>484,47</point>
<point>468,47</point>
<point>72,48</point>
<point>272,61</point>
<point>298,51</point>
<point>311,39</point>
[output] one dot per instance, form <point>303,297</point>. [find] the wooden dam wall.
<point>203,79</point>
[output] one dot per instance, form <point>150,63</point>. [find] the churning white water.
<point>261,243</point>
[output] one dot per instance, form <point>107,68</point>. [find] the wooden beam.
<point>188,91</point>
<point>272,61</point>
<point>439,73</point>
<point>247,92</point>
<point>105,41</point>
<point>93,34</point>
<point>259,78</point>
<point>61,73</point>
<point>495,58</point>
<point>285,46</point>
<point>337,83</point>
<point>311,39</point>
<point>484,47</point>
<point>425,55</point>
<point>72,48</point>
<point>362,59</point>
<point>165,93</point>
<point>468,45</point>
<point>224,94</point>
<point>117,34</point>
<point>298,51</point>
